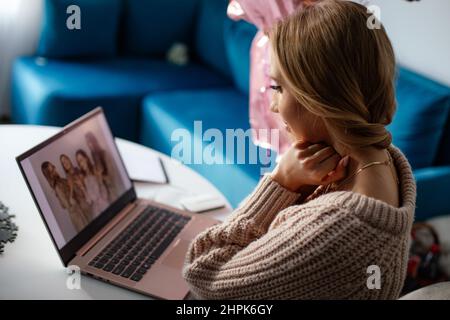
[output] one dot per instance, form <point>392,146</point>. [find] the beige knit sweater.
<point>274,248</point>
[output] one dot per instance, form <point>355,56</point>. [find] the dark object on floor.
<point>8,230</point>
<point>5,120</point>
<point>423,265</point>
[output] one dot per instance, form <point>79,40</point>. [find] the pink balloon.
<point>263,14</point>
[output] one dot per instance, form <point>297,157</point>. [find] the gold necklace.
<point>335,186</point>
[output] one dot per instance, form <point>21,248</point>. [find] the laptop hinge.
<point>104,231</point>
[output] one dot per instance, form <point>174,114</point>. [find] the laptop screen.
<point>76,176</point>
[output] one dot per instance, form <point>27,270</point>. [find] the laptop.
<point>88,203</point>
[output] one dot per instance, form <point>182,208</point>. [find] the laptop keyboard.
<point>135,249</point>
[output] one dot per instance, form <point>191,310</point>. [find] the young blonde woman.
<point>332,221</point>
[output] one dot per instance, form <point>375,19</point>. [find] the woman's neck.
<point>358,157</point>
<point>367,154</point>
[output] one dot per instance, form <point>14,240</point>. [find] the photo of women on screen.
<point>87,184</point>
<point>94,181</point>
<point>100,163</point>
<point>62,190</point>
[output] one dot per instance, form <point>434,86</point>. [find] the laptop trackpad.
<point>177,254</point>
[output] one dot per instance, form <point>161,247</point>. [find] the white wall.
<point>19,31</point>
<point>420,33</point>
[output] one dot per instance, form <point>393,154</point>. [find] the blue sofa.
<point>146,98</point>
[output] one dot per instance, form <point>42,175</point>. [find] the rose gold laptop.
<point>89,205</point>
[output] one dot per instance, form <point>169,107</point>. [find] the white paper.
<point>147,167</point>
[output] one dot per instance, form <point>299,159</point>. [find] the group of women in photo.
<point>87,187</point>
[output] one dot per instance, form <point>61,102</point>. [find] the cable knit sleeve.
<point>230,261</point>
<point>246,224</point>
<point>260,208</point>
<point>251,219</point>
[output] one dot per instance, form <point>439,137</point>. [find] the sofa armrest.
<point>433,196</point>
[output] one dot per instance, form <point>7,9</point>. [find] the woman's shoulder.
<point>346,208</point>
<point>316,211</point>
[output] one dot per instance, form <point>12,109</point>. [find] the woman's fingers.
<point>322,159</point>
<point>312,149</point>
<point>341,170</point>
<point>323,154</point>
<point>301,144</point>
<point>330,163</point>
<point>339,173</point>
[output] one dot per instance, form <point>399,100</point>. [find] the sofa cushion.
<point>433,184</point>
<point>209,37</point>
<point>165,115</point>
<point>97,36</point>
<point>54,92</point>
<point>443,156</point>
<point>423,108</point>
<point>151,27</point>
<point>238,40</point>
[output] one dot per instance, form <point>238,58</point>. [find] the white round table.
<point>30,267</point>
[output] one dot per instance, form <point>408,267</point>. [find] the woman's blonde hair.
<point>339,69</point>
